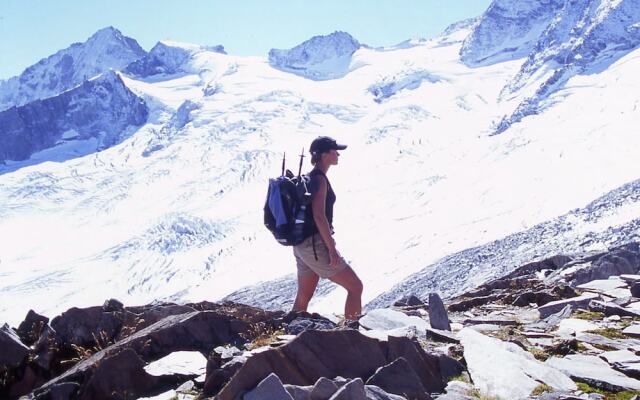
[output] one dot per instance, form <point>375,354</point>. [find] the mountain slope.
<point>174,210</point>
<point>101,108</point>
<point>106,49</point>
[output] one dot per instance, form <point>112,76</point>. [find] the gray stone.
<point>619,356</point>
<point>13,350</point>
<point>635,289</point>
<point>491,320</point>
<point>409,301</point>
<point>594,371</point>
<point>632,330</point>
<point>399,377</point>
<point>299,392</point>
<point>269,388</point>
<point>610,309</point>
<point>376,393</point>
<point>576,302</point>
<point>442,336</point>
<point>599,340</point>
<point>438,317</point>
<point>31,328</point>
<point>323,389</point>
<point>458,390</point>
<point>353,390</point>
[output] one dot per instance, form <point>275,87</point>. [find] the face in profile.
<point>331,157</point>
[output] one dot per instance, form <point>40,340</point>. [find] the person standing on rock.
<point>317,256</point>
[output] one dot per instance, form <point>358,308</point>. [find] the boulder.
<point>504,370</point>
<point>353,390</point>
<point>323,389</point>
<point>594,371</point>
<point>635,289</point>
<point>269,388</point>
<point>119,376</point>
<point>442,336</point>
<point>299,392</point>
<point>307,358</point>
<point>438,317</point>
<point>399,378</point>
<point>576,302</point>
<point>610,309</point>
<point>427,366</point>
<point>386,319</point>
<point>409,301</point>
<point>301,324</point>
<point>85,326</point>
<point>111,305</point>
<point>195,331</point>
<point>376,393</point>
<point>13,350</point>
<point>31,328</point>
<point>617,262</point>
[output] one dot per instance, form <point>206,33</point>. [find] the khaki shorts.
<point>306,260</point>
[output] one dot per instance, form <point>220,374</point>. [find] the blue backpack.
<point>285,210</point>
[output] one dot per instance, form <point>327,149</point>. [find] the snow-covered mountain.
<point>168,57</point>
<point>174,210</point>
<point>508,30</point>
<point>101,110</point>
<point>106,49</point>
<point>319,58</point>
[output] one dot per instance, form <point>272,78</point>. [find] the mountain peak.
<point>319,58</point>
<point>107,48</point>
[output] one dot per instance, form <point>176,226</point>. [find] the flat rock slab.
<point>604,285</point>
<point>485,327</point>
<point>504,370</point>
<point>610,309</point>
<point>491,320</point>
<point>385,319</point>
<point>594,371</point>
<point>619,356</point>
<point>179,362</point>
<point>619,344</point>
<point>632,330</point>
<point>572,326</point>
<point>442,336</point>
<point>629,278</point>
<point>576,302</point>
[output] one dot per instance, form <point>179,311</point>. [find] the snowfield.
<point>174,210</point>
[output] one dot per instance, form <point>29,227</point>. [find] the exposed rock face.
<point>104,50</point>
<point>31,328</point>
<point>583,37</point>
<point>167,58</point>
<point>508,30</point>
<point>101,108</point>
<point>319,58</point>
<point>305,359</point>
<point>399,377</point>
<point>13,350</point>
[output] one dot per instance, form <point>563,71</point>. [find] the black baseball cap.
<point>322,144</point>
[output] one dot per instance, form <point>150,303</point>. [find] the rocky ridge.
<point>563,328</point>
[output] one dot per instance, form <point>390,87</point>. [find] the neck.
<point>322,167</point>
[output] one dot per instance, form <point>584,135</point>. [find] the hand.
<point>334,258</point>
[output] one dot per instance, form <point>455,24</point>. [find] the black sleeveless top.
<point>314,183</point>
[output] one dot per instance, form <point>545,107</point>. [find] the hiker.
<point>317,256</point>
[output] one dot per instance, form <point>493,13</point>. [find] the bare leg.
<point>348,279</point>
<point>306,287</point>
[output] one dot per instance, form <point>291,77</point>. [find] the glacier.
<point>428,197</point>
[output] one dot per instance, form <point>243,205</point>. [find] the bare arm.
<point>318,206</point>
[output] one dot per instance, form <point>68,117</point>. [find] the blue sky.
<point>34,29</point>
